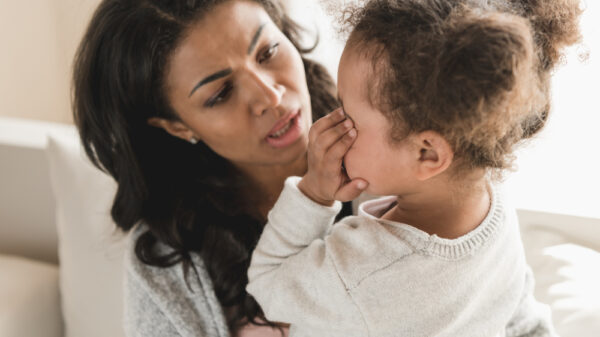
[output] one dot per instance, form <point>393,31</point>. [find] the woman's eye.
<point>220,96</point>
<point>269,53</point>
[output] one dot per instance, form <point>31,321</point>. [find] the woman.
<point>199,110</point>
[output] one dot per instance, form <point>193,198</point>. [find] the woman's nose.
<point>267,94</point>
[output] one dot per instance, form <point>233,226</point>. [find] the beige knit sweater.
<point>369,277</point>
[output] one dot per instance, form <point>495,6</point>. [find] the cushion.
<point>567,271</point>
<point>90,248</point>
<point>30,303</point>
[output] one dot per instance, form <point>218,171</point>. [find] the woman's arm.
<point>159,301</point>
<point>143,318</point>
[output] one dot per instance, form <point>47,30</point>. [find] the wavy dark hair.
<point>188,196</point>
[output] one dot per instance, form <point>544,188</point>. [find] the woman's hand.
<point>326,180</point>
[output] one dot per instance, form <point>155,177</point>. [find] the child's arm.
<point>291,275</point>
<point>532,318</point>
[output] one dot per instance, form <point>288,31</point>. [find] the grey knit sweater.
<point>159,303</point>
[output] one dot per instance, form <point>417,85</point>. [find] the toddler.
<point>435,96</point>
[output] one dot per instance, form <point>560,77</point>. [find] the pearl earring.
<point>193,140</point>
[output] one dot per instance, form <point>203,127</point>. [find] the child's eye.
<point>269,53</point>
<point>220,96</point>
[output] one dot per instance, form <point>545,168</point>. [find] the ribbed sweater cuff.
<point>298,217</point>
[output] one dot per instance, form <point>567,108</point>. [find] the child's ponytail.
<point>484,84</point>
<point>555,24</point>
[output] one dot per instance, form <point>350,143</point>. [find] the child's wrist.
<point>304,187</point>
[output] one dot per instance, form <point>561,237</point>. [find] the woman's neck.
<point>444,209</point>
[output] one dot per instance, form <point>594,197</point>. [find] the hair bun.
<point>484,58</point>
<point>555,25</point>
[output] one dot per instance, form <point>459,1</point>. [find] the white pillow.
<point>567,277</point>
<point>90,248</point>
<point>29,298</point>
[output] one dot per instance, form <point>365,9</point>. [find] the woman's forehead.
<point>229,29</point>
<point>232,20</point>
<point>230,32</point>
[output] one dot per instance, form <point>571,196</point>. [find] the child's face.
<point>387,167</point>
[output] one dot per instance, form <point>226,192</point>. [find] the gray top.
<point>158,302</point>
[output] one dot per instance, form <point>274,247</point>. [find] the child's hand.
<point>328,141</point>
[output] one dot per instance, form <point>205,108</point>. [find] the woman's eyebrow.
<point>210,78</point>
<point>255,38</point>
<point>228,71</point>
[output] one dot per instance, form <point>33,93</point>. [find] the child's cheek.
<point>349,163</point>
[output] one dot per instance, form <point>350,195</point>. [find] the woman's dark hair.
<point>477,72</point>
<point>189,197</point>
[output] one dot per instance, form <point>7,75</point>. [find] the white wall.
<point>558,171</point>
<point>311,15</point>
<point>38,39</point>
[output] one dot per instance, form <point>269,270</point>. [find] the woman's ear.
<point>174,128</point>
<point>434,154</point>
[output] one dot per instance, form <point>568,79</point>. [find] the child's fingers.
<point>351,190</point>
<point>337,151</point>
<point>325,123</point>
<point>332,136</point>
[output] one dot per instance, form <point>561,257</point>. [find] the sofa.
<point>60,255</point>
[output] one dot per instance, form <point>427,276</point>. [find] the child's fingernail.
<point>352,133</point>
<point>361,185</point>
<point>348,124</point>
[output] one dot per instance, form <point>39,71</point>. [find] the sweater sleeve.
<point>143,317</point>
<point>291,274</point>
<point>532,318</point>
<point>159,302</point>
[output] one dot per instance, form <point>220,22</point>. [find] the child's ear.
<point>434,154</point>
<point>174,128</point>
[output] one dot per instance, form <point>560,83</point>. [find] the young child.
<point>435,96</point>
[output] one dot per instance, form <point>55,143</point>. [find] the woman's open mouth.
<point>286,132</point>
<point>283,130</point>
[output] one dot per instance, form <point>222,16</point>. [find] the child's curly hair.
<point>477,72</point>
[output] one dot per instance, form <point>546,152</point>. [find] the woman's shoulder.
<point>133,265</point>
<point>188,301</point>
<point>154,276</point>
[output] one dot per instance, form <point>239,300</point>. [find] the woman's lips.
<point>286,131</point>
<point>282,122</point>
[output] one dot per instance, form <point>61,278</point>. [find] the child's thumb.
<point>351,190</point>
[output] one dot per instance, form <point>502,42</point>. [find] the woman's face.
<point>238,84</point>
